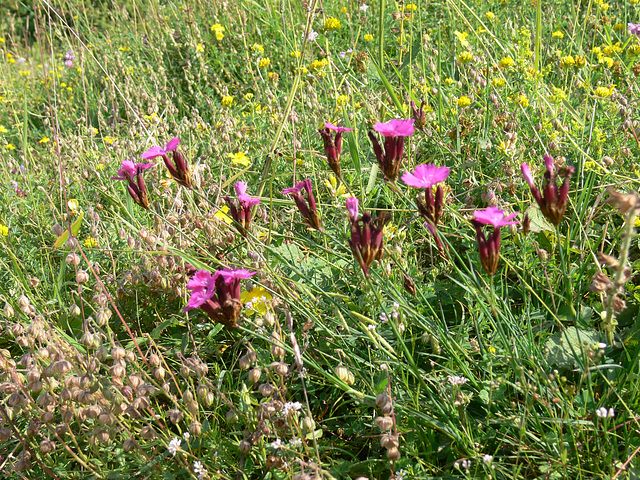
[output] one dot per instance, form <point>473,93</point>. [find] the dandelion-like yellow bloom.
<point>10,146</point>
<point>464,101</point>
<point>332,23</point>
<point>227,100</point>
<point>368,37</point>
<point>567,62</point>
<point>507,62</point>
<point>239,158</point>
<point>91,242</point>
<point>489,15</point>
<point>256,301</point>
<point>4,230</point>
<point>295,54</point>
<point>465,57</point>
<point>199,48</point>
<point>264,62</point>
<point>557,34</point>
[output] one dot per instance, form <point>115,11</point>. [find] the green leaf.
<point>538,221</point>
<point>75,228</point>
<point>569,348</point>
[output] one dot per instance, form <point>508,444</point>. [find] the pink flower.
<point>244,199</point>
<point>395,128</point>
<point>178,169</point>
<point>307,207</point>
<point>131,172</point>
<point>241,211</point>
<point>494,216</point>
<point>426,175</point>
<point>352,208</point>
<point>634,28</point>
<point>154,152</point>
<point>335,128</point>
<point>526,174</point>
<point>553,199</point>
<point>218,294</point>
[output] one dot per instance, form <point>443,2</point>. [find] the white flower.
<point>312,35</point>
<point>400,474</point>
<point>174,445</point>
<point>487,459</point>
<point>186,436</point>
<point>199,470</point>
<point>602,412</point>
<point>364,8</point>
<point>345,54</point>
<point>295,442</point>
<point>290,407</point>
<point>456,380</point>
<point>277,444</point>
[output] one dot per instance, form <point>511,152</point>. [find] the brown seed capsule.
<point>280,368</point>
<point>47,446</point>
<point>148,433</point>
<point>393,454</point>
<point>384,423</point>
<point>129,445</point>
<point>266,389</point>
<point>389,441</point>
<point>195,428</point>
<point>244,362</point>
<point>254,375</point>
<point>382,399</point>
<point>244,447</point>
<point>231,417</point>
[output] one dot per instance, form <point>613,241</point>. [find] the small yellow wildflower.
<point>557,34</point>
<point>449,81</point>
<point>342,100</point>
<point>239,158</point>
<point>368,37</point>
<point>465,57</point>
<point>227,100</point>
<point>336,190</point>
<point>93,131</point>
<point>464,101</point>
<point>607,61</point>
<point>91,242</point>
<point>344,10</point>
<point>604,7</point>
<point>295,54</point>
<point>567,62</point>
<point>590,165</point>
<point>1,40</point>
<point>491,350</point>
<point>507,62</point>
<point>634,2</point>
<point>10,146</point>
<point>3,129</point>
<point>410,7</point>
<point>522,100</point>
<point>248,96</point>
<point>462,38</point>
<point>332,23</point>
<point>596,50</point>
<point>489,15</point>
<point>604,91</point>
<point>100,166</point>
<point>124,49</point>
<point>199,48</point>
<point>264,62</point>
<point>218,30</point>
<point>4,230</point>
<point>256,301</point>
<point>635,49</point>
<point>222,215</point>
<point>109,139</point>
<point>257,49</point>
<point>318,65</point>
<point>73,206</point>
<point>44,140</point>
<point>25,73</point>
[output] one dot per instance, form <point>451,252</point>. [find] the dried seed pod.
<point>389,441</point>
<point>384,423</point>
<point>280,368</point>
<point>254,375</point>
<point>344,374</point>
<point>129,445</point>
<point>175,416</point>
<point>47,446</point>
<point>382,399</point>
<point>266,389</point>
<point>244,447</point>
<point>393,454</point>
<point>148,433</point>
<point>231,417</point>
<point>244,362</point>
<point>195,428</point>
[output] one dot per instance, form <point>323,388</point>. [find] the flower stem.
<point>568,284</point>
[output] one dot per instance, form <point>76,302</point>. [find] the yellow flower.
<point>344,10</point>
<point>1,40</point>
<point>256,301</point>
<point>264,63</point>
<point>257,49</point>
<point>239,158</point>
<point>607,61</point>
<point>596,50</point>
<point>489,15</point>
<point>604,91</point>
<point>295,54</point>
<point>332,23</point>
<point>465,57</point>
<point>109,139</point>
<point>73,206</point>
<point>449,81</point>
<point>100,166</point>
<point>590,165</point>
<point>368,37</point>
<point>4,230</point>
<point>3,129</point>
<point>633,2</point>
<point>10,146</point>
<point>199,48</point>
<point>507,62</point>
<point>604,7</point>
<point>410,7</point>
<point>462,38</point>
<point>227,100</point>
<point>522,100</point>
<point>44,140</point>
<point>336,190</point>
<point>342,100</point>
<point>557,34</point>
<point>248,96</point>
<point>124,49</point>
<point>218,30</point>
<point>567,61</point>
<point>318,65</point>
<point>91,242</point>
<point>221,214</point>
<point>464,101</point>
<point>24,73</point>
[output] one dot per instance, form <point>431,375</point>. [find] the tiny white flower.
<point>466,464</point>
<point>364,7</point>
<point>277,444</point>
<point>295,442</point>
<point>383,317</point>
<point>313,35</point>
<point>487,459</point>
<point>174,445</point>
<point>199,469</point>
<point>602,412</point>
<point>611,413</point>
<point>186,436</point>
<point>371,327</point>
<point>400,474</point>
<point>456,380</point>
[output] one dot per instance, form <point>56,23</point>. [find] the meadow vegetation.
<point>304,240</point>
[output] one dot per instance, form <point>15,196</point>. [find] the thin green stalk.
<point>568,284</point>
<point>381,34</point>
<point>538,33</point>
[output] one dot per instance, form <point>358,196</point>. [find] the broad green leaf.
<point>75,228</point>
<point>538,221</point>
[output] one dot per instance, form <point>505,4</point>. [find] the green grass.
<point>99,372</point>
